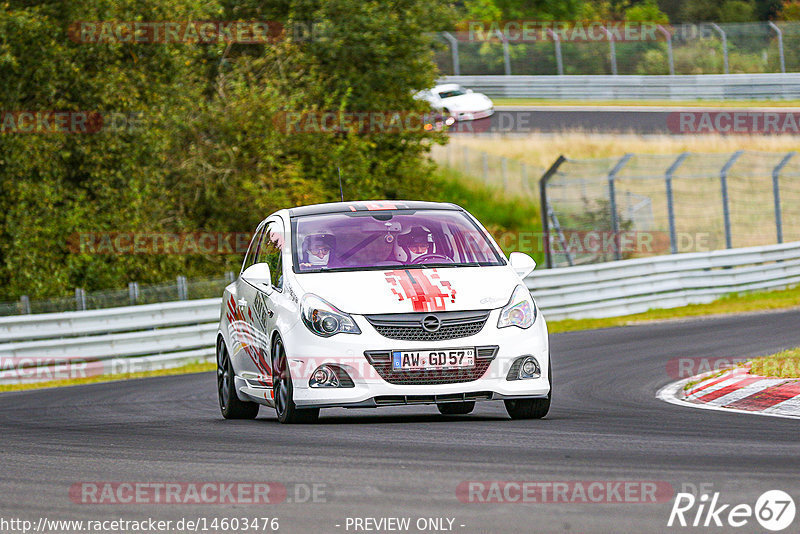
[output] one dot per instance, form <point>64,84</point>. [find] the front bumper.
<point>307,351</point>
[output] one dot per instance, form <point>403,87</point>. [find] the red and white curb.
<point>738,391</point>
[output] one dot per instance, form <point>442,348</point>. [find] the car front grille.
<point>409,326</point>
<point>381,361</point>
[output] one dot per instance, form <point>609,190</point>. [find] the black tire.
<point>285,408</point>
<point>456,408</point>
<point>229,403</point>
<point>532,408</point>
<point>527,408</point>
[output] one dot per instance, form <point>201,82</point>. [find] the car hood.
<point>468,102</point>
<point>413,290</point>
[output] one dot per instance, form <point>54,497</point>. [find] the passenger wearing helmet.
<point>317,250</point>
<point>416,242</point>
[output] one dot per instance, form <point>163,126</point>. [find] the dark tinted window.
<point>252,251</point>
<point>271,253</point>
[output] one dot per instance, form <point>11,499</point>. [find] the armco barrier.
<point>126,339</point>
<point>632,87</point>
<point>163,335</point>
<point>634,286</point>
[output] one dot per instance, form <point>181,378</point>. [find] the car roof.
<point>447,87</point>
<point>370,205</point>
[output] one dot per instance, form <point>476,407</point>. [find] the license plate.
<point>432,359</point>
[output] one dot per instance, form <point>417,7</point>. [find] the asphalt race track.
<point>522,119</point>
<point>640,120</point>
<point>606,424</point>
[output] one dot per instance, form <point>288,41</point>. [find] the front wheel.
<point>229,403</point>
<point>285,408</point>
<point>527,408</point>
<point>532,408</point>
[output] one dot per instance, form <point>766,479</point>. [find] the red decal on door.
<point>425,294</point>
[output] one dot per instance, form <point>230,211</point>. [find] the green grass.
<point>185,369</point>
<point>784,364</point>
<point>661,103</point>
<point>733,303</point>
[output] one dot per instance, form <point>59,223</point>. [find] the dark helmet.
<point>416,236</point>
<point>320,240</point>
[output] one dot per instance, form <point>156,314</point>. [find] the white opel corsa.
<point>379,303</point>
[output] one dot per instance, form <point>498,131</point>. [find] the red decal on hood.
<point>426,294</point>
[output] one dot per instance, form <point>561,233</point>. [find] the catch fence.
<point>639,205</point>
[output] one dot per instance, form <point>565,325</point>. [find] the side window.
<point>252,251</point>
<point>271,253</point>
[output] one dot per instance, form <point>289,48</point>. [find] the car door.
<point>266,301</point>
<point>249,358</point>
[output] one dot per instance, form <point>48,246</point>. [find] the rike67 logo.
<point>774,510</point>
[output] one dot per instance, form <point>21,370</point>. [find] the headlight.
<point>324,319</point>
<point>520,310</point>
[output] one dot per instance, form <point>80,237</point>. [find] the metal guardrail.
<point>111,341</point>
<point>632,87</point>
<point>140,338</point>
<point>634,286</point>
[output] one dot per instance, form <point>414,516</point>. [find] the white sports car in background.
<point>365,304</point>
<point>452,100</point>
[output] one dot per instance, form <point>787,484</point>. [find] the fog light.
<point>524,368</point>
<point>324,377</point>
<point>529,368</point>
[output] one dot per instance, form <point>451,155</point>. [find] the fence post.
<point>25,304</point>
<point>80,299</point>
<point>724,45</point>
<point>133,292</point>
<point>506,54</point>
<point>673,236</point>
<point>543,206</point>
<point>780,44</point>
<point>776,192</point>
<point>612,50</point>
<point>612,199</point>
<point>454,52</point>
<point>485,161</point>
<point>183,293</point>
<point>231,277</point>
<point>726,212</point>
<point>504,172</point>
<point>559,59</point>
<point>670,58</point>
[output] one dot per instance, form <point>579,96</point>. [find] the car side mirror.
<point>257,273</point>
<point>522,264</point>
<point>469,91</point>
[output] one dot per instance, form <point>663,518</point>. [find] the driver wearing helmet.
<point>416,242</point>
<point>318,249</point>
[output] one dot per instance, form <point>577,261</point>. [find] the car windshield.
<point>449,94</point>
<point>386,239</point>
